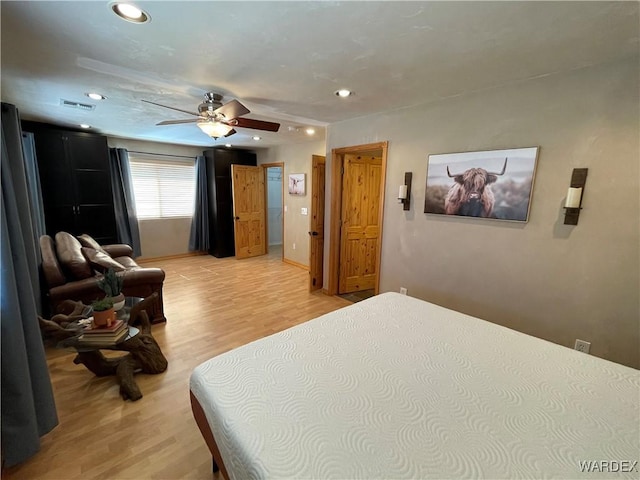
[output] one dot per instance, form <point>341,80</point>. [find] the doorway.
<point>357,193</point>
<point>274,173</point>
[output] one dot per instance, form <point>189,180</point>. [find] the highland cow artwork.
<point>493,184</point>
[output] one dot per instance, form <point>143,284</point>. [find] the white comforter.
<point>394,387</point>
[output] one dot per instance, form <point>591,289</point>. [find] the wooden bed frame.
<point>207,434</point>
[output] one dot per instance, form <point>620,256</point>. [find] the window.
<point>163,188</point>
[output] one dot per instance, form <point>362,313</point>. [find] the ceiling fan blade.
<point>176,122</point>
<point>232,109</point>
<point>231,132</point>
<point>172,108</point>
<point>257,124</point>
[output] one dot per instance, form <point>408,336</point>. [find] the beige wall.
<point>544,278</point>
<point>297,159</point>
<point>164,236</point>
<point>167,236</point>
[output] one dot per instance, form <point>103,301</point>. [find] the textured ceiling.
<point>284,60</point>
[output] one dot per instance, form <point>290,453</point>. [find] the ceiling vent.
<point>80,106</point>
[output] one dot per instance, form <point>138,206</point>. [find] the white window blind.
<point>163,186</point>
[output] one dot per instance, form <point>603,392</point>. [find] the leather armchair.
<point>69,275</point>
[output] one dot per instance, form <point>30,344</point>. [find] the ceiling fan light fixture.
<point>130,12</point>
<point>214,129</point>
<point>95,96</point>
<point>344,93</point>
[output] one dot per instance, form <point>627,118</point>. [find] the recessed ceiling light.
<point>84,125</point>
<point>228,145</point>
<point>256,138</point>
<point>310,131</point>
<point>95,96</point>
<point>344,93</point>
<point>130,13</point>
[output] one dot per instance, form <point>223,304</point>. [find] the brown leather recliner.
<point>71,271</point>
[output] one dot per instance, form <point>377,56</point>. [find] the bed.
<point>395,387</point>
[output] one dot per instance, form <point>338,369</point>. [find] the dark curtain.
<point>123,199</point>
<point>33,184</point>
<point>28,407</point>
<point>199,238</point>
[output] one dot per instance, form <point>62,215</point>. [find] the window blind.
<point>163,187</point>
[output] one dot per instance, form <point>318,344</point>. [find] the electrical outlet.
<point>582,346</point>
<point>403,290</point>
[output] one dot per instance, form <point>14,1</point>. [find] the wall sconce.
<point>573,205</point>
<point>404,194</point>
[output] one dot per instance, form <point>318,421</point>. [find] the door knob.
<point>236,218</point>
<point>315,234</point>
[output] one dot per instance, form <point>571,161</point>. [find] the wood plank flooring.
<point>212,305</point>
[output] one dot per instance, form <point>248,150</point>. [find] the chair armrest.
<point>142,276</point>
<point>85,290</point>
<point>118,250</point>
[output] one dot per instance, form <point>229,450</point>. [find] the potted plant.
<point>103,312</point>
<point>111,285</point>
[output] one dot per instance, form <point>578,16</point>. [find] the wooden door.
<point>247,184</point>
<point>360,231</point>
<point>317,222</point>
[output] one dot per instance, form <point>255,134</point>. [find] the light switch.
<point>303,211</point>
<point>285,209</point>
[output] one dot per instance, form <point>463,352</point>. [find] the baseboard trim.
<point>170,257</point>
<point>295,264</point>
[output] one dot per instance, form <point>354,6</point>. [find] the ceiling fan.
<point>218,120</point>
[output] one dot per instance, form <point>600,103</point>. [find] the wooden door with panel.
<point>360,230</point>
<point>249,211</point>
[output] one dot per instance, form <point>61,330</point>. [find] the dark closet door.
<point>56,182</point>
<point>76,183</point>
<point>89,158</point>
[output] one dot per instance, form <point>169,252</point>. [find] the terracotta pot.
<point>118,302</point>
<point>104,318</point>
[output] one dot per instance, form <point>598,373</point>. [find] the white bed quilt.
<point>395,387</point>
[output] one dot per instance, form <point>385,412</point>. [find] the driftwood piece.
<point>145,305</point>
<point>144,353</point>
<point>97,363</point>
<point>144,356</point>
<point>68,311</point>
<point>55,330</point>
<point>70,307</point>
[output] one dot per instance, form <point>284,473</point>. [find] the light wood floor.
<point>212,305</point>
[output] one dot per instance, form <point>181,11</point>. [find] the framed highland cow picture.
<point>494,184</point>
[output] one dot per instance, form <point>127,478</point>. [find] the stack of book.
<point>105,335</point>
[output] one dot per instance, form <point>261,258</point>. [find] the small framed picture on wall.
<point>296,184</point>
